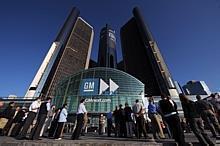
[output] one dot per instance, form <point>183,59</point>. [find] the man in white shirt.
<point>42,115</point>
<point>33,109</point>
<point>80,116</point>
<point>138,110</point>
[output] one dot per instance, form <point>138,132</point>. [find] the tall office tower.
<point>142,57</point>
<point>107,56</point>
<point>196,88</point>
<point>69,53</point>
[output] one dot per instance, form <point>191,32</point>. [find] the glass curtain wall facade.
<point>128,90</point>
<point>69,53</point>
<point>142,58</point>
<point>107,48</point>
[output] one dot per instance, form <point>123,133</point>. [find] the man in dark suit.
<point>168,110</point>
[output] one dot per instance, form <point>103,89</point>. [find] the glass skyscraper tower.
<point>69,53</point>
<point>107,56</point>
<point>142,58</point>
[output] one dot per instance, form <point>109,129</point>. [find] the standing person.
<point>122,125</point>
<point>85,122</point>
<point>109,123</point>
<point>54,123</point>
<point>101,124</point>
<point>48,121</point>
<point>42,115</point>
<point>116,120</point>
<point>155,120</point>
<point>216,104</point>
<point>1,103</point>
<point>61,122</point>
<point>128,120</point>
<point>33,109</point>
<point>80,115</point>
<point>2,120</point>
<point>18,109</point>
<point>207,113</point>
<point>8,113</point>
<point>168,109</point>
<point>18,122</point>
<point>138,110</point>
<point>195,122</point>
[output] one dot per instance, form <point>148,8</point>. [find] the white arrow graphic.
<point>103,87</point>
<point>113,86</point>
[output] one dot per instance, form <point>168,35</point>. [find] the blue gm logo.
<point>89,87</point>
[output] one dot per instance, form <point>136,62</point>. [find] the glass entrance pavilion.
<point>103,88</point>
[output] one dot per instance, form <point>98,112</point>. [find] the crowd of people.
<point>132,121</point>
<point>42,119</point>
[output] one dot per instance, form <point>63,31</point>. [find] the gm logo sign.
<point>89,87</point>
<point>97,87</point>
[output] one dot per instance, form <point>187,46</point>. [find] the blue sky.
<point>187,33</point>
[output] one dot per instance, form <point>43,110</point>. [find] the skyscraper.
<point>142,57</point>
<point>196,88</point>
<point>107,56</point>
<point>69,53</point>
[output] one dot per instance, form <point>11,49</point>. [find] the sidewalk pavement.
<point>96,140</point>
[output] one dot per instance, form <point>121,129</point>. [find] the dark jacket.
<point>189,109</point>
<point>8,113</point>
<point>202,105</point>
<point>19,116</point>
<point>43,109</point>
<point>166,107</point>
<point>116,115</point>
<point>128,112</point>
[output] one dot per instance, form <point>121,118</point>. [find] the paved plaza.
<point>95,140</point>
